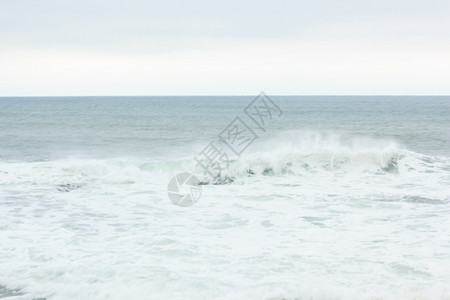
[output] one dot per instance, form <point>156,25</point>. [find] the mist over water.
<point>341,197</point>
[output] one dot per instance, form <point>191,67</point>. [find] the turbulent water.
<point>339,198</point>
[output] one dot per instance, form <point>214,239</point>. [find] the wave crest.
<point>297,153</point>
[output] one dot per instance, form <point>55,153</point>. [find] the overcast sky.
<point>133,47</point>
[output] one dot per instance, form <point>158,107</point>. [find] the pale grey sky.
<point>224,47</point>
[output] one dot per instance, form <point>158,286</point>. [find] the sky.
<point>134,47</point>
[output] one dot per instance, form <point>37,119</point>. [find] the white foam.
<point>366,219</point>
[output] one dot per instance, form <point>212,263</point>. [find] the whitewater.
<point>341,198</point>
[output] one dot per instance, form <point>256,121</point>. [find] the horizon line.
<point>235,95</point>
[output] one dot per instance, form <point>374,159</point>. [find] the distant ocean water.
<point>340,198</point>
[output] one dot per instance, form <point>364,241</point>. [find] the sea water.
<point>337,198</point>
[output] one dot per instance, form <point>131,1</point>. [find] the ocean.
<point>332,197</point>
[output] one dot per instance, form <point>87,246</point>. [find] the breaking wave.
<point>297,153</point>
<point>290,154</point>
